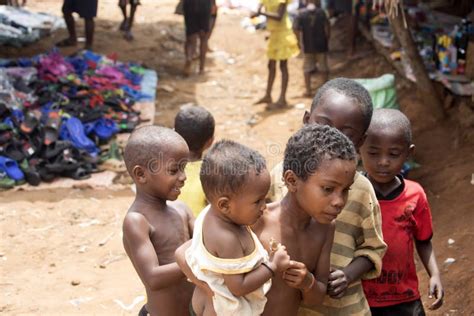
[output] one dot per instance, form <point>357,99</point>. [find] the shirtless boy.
<point>153,228</point>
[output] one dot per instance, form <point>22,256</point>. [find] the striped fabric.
<point>358,233</point>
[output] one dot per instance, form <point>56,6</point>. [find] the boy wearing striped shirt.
<point>358,245</point>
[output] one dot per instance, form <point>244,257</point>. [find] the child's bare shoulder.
<point>219,240</point>
<point>135,223</point>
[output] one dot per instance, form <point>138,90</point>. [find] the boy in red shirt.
<point>406,220</point>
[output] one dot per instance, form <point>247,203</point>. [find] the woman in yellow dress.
<point>282,45</point>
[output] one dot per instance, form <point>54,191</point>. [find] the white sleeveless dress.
<point>208,268</point>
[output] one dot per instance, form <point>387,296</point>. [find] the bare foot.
<point>128,36</point>
<point>280,104</point>
<point>266,99</point>
<point>187,69</point>
<point>124,25</point>
<point>67,42</point>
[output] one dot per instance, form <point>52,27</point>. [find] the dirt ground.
<point>61,250</point>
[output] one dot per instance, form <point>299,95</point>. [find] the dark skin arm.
<point>299,277</point>
<point>278,16</point>
<point>427,256</point>
<point>243,284</point>
<point>339,280</point>
<point>181,261</point>
<point>143,255</point>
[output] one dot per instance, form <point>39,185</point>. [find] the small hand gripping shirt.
<point>208,268</point>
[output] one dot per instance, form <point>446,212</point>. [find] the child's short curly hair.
<point>313,143</point>
<point>226,167</point>
<point>196,125</point>
<point>351,89</point>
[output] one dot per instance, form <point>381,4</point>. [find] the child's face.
<point>384,152</point>
<point>324,194</point>
<point>341,112</point>
<point>165,176</point>
<point>246,206</point>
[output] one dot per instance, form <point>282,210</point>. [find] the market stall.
<point>60,117</point>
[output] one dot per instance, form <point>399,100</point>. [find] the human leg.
<point>189,49</point>
<point>203,38</point>
<point>284,83</point>
<point>70,24</point>
<point>323,66</point>
<point>267,98</point>
<point>309,66</point>
<point>133,9</point>
<point>89,27</point>
<point>123,7</point>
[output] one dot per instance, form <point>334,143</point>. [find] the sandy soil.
<point>61,251</point>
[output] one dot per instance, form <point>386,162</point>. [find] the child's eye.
<point>395,155</point>
<point>328,189</point>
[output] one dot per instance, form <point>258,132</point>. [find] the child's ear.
<point>138,173</point>
<point>291,180</point>
<point>208,143</point>
<point>306,117</point>
<point>223,204</point>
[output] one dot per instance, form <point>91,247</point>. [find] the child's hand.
<point>280,259</point>
<point>298,276</point>
<point>337,283</point>
<point>436,290</point>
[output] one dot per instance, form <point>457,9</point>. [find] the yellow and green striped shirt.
<point>358,233</point>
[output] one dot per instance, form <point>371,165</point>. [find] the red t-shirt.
<point>405,218</point>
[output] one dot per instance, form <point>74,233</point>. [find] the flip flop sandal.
<point>62,164</point>
<point>105,128</point>
<point>90,115</point>
<point>30,123</point>
<point>45,175</point>
<point>51,128</point>
<point>5,137</point>
<point>13,151</point>
<point>6,182</point>
<point>127,127</point>
<point>55,149</point>
<point>28,149</point>
<point>73,130</point>
<point>10,167</point>
<point>4,111</point>
<point>32,175</point>
<point>91,168</point>
<point>5,127</point>
<point>77,174</point>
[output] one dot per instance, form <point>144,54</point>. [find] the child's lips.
<point>332,216</point>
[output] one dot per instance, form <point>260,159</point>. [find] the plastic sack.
<point>382,91</point>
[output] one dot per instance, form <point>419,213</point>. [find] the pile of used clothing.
<point>56,112</point>
<point>19,26</point>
